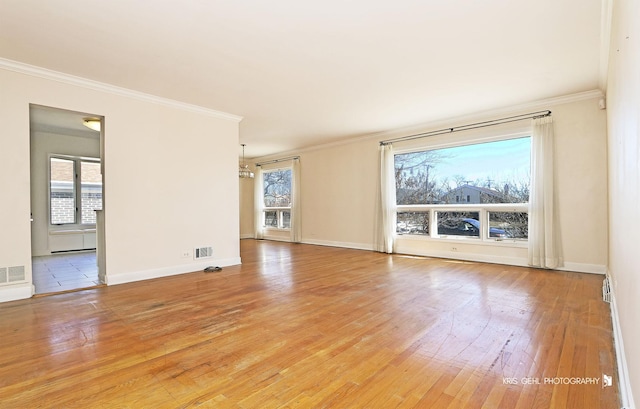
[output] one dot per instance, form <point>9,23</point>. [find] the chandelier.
<point>244,168</point>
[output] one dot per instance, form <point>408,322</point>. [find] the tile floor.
<point>62,272</point>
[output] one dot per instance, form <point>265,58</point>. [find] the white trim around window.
<point>75,190</point>
<point>483,237</point>
<point>275,221</point>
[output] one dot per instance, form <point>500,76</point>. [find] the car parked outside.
<point>468,227</point>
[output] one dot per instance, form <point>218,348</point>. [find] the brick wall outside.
<point>63,205</point>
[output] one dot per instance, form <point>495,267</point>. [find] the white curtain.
<point>386,207</point>
<point>258,206</point>
<point>544,243</point>
<point>296,231</point>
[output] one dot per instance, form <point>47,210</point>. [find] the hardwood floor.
<point>300,326</point>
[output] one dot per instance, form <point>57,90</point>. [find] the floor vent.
<point>12,274</point>
<point>203,252</point>
<point>606,290</point>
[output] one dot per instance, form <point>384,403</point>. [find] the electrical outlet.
<point>186,254</point>
<point>454,249</point>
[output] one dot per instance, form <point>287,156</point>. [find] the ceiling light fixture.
<point>244,168</point>
<point>92,123</point>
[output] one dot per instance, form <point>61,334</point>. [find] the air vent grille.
<point>13,274</point>
<point>16,274</point>
<point>606,290</point>
<point>203,252</point>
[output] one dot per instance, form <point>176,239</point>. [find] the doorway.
<point>66,198</point>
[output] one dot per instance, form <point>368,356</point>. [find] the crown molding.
<point>543,104</point>
<point>47,74</point>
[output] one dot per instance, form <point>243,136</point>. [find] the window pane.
<point>277,188</point>
<point>286,219</point>
<point>271,218</point>
<point>510,224</point>
<point>91,191</point>
<point>63,196</point>
<point>459,224</point>
<point>492,172</point>
<point>413,223</point>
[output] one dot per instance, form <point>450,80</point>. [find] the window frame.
<point>483,209</point>
<point>280,210</point>
<point>77,190</point>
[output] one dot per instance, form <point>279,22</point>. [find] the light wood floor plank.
<point>301,326</point>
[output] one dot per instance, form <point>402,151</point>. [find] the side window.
<point>277,198</point>
<point>75,190</point>
<point>90,191</point>
<point>62,191</point>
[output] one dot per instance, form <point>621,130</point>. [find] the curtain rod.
<point>277,160</point>
<point>531,115</point>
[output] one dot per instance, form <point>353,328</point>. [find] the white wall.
<point>170,178</point>
<point>339,190</point>
<point>246,208</point>
<point>42,145</point>
<point>623,109</point>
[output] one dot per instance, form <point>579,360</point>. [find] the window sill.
<point>72,230</point>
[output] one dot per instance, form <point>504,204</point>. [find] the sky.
<point>500,161</point>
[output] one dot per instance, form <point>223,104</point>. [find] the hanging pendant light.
<point>244,168</point>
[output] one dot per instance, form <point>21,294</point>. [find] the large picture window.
<point>477,191</point>
<point>75,190</point>
<point>277,198</point>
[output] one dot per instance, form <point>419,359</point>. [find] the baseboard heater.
<point>72,240</point>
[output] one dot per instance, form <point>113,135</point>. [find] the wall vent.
<point>606,289</point>
<point>203,252</point>
<point>12,274</point>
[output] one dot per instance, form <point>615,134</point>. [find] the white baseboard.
<point>626,395</point>
<point>477,257</point>
<point>455,255</point>
<point>277,238</point>
<point>511,261</point>
<point>584,268</point>
<point>169,271</point>
<point>246,236</point>
<point>16,292</point>
<point>329,243</point>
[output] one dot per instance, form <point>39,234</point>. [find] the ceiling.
<point>305,73</point>
<point>54,120</point>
